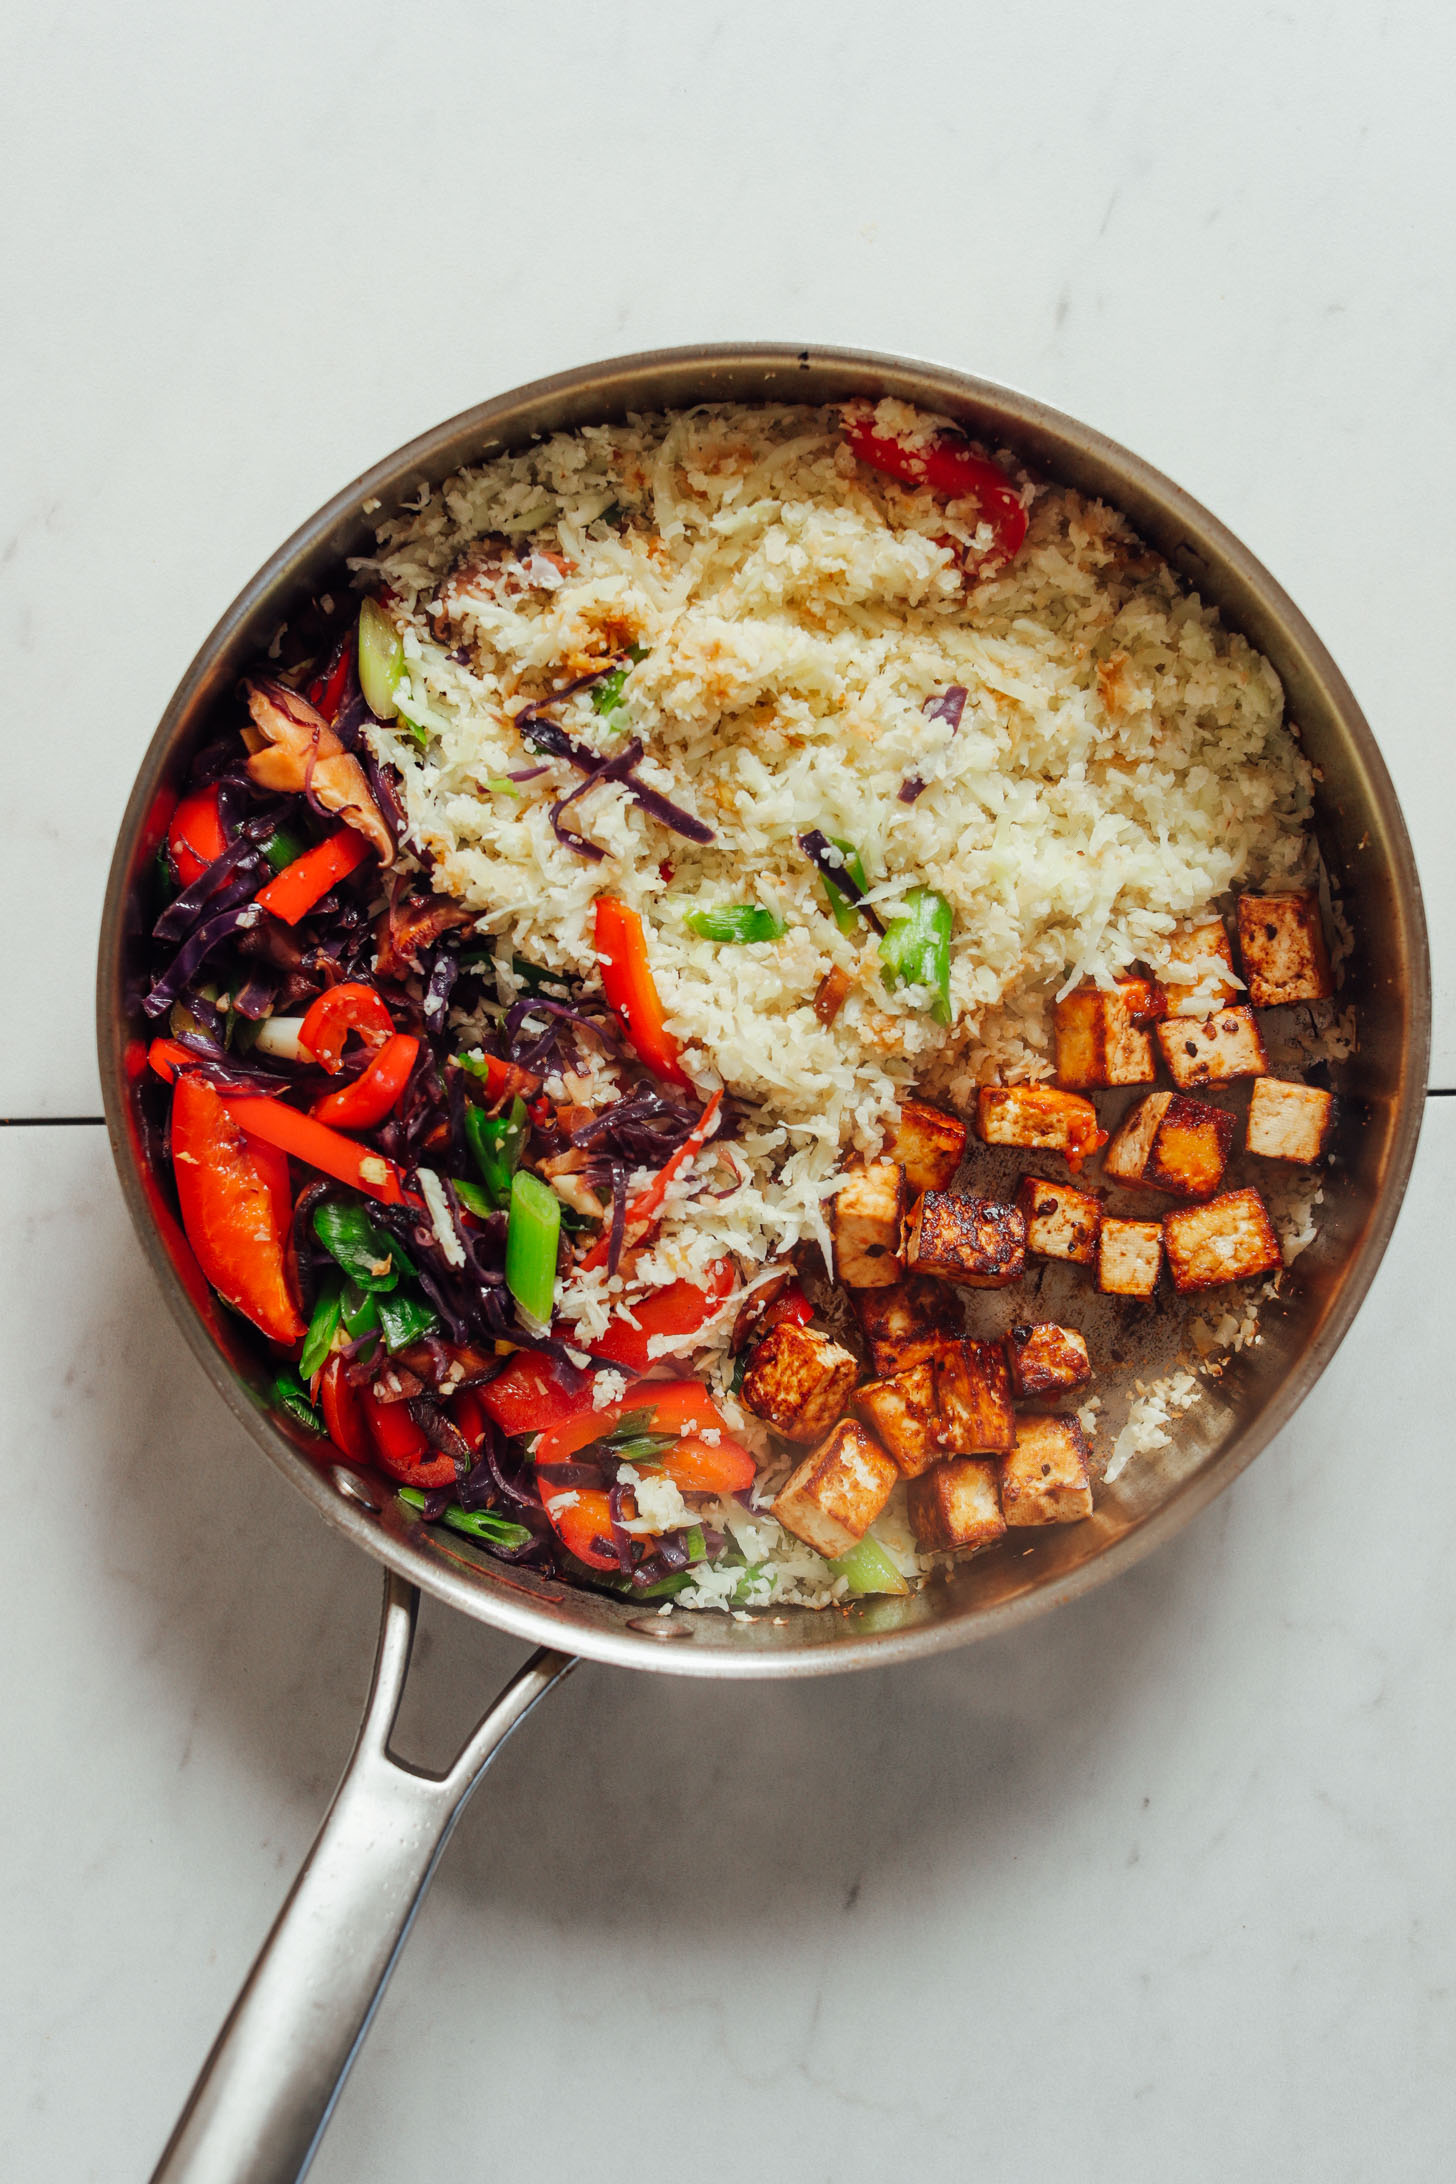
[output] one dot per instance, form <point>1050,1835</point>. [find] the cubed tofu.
<point>902,1411</point>
<point>1046,1360</point>
<point>928,1144</point>
<point>1282,944</point>
<point>975,1242</point>
<point>1129,1257</point>
<point>973,1398</point>
<point>1101,1034</point>
<point>1040,1116</point>
<point>1171,1143</point>
<point>1231,1239</point>
<point>1288,1121</point>
<point>1045,1478</point>
<point>799,1381</point>
<point>956,1504</point>
<point>867,1219</point>
<point>1200,974</point>
<point>1214,1050</point>
<point>903,1325</point>
<point>1061,1220</point>
<point>839,1489</point>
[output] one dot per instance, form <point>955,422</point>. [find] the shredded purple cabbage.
<point>948,706</point>
<point>830,865</point>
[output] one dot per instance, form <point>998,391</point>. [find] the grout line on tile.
<point>52,1122</point>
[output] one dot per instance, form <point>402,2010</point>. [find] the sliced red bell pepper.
<point>628,985</point>
<point>167,1056</point>
<point>365,1102</point>
<point>535,1392</point>
<point>236,1208</point>
<point>581,1517</point>
<point>684,1407</point>
<point>195,836</point>
<point>313,1142</point>
<point>295,890</point>
<point>338,1011</point>
<point>343,1413</point>
<point>696,1466</point>
<point>400,1446</point>
<point>467,1415</point>
<point>950,468</point>
<point>643,1210</point>
<point>789,1308</point>
<point>327,691</point>
<point>504,1080</point>
<point>679,1309</point>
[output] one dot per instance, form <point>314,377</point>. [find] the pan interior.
<point>1362,838</point>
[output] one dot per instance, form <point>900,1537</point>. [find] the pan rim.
<point>832,1654</point>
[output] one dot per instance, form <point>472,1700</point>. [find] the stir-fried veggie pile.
<point>390,1169</point>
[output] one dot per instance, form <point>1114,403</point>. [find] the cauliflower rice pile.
<point>1122,759</point>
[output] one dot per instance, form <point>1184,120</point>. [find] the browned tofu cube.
<point>975,1242</point>
<point>1061,1221</point>
<point>903,1325</point>
<point>1040,1116</point>
<point>1200,973</point>
<point>1282,944</point>
<point>973,1398</point>
<point>1045,1479</point>
<point>955,1504</point>
<point>1129,1257</point>
<point>1101,1035</point>
<point>799,1381</point>
<point>1231,1239</point>
<point>1288,1121</point>
<point>1213,1051</point>
<point>838,1490</point>
<point>1046,1360</point>
<point>1171,1143</point>
<point>867,1220</point>
<point>902,1410</point>
<point>928,1144</point>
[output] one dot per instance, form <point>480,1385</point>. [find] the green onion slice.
<point>532,1237</point>
<point>381,660</point>
<point>737,922</point>
<point>915,950</point>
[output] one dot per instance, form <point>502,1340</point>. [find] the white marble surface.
<point>1161,1886</point>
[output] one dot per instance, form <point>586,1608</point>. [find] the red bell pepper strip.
<point>167,1056</point>
<point>365,1102</point>
<point>314,1143</point>
<point>535,1392</point>
<point>581,1517</point>
<point>948,467</point>
<point>685,1407</point>
<point>789,1308</point>
<point>401,1447</point>
<point>469,1418</point>
<point>680,1309</point>
<point>235,1208</point>
<point>308,879</point>
<point>327,692</point>
<point>344,1414</point>
<point>628,985</point>
<point>195,836</point>
<point>644,1209</point>
<point>696,1466</point>
<point>503,1080</point>
<point>338,1011</point>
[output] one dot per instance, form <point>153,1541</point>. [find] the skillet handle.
<point>267,2090</point>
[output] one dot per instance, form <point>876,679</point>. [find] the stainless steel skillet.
<point>268,2088</point>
